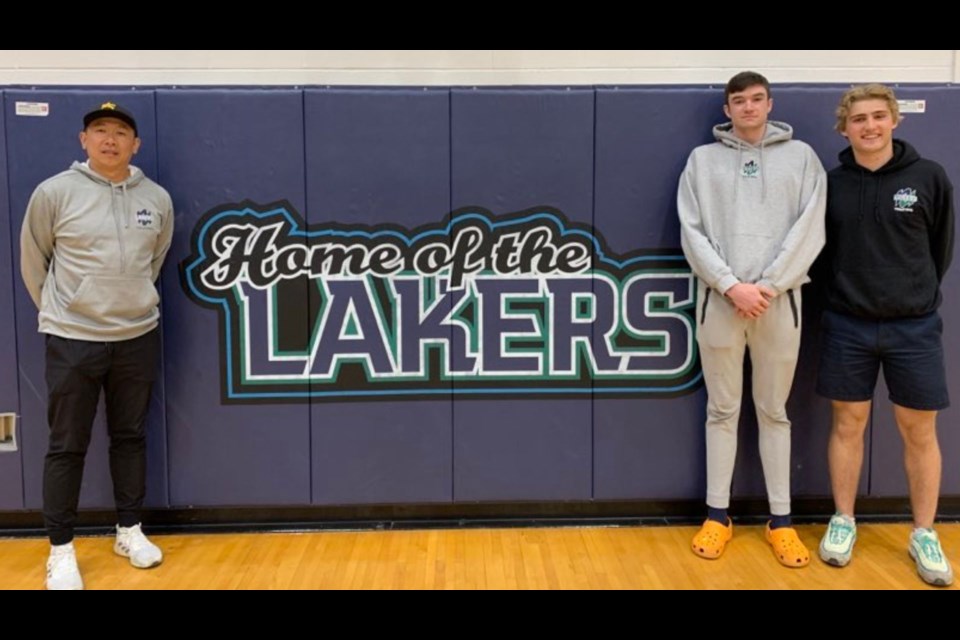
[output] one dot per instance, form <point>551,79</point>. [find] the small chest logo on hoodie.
<point>750,169</point>
<point>145,219</point>
<point>904,199</point>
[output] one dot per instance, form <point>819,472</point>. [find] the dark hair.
<point>743,81</point>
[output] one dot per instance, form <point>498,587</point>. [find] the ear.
<point>136,145</point>
<point>726,111</point>
<point>769,105</point>
<point>83,140</point>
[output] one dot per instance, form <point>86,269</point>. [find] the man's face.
<point>870,126</point>
<point>110,143</point>
<point>748,109</point>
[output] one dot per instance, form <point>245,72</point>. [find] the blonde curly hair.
<point>866,92</point>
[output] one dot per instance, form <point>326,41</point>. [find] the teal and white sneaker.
<point>836,547</point>
<point>932,565</point>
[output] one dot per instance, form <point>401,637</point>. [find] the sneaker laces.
<point>133,537</point>
<point>59,555</point>
<point>839,530</point>
<point>929,546</point>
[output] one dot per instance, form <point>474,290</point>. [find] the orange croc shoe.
<point>712,539</point>
<point>787,547</point>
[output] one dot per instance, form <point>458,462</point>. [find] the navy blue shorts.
<point>910,349</point>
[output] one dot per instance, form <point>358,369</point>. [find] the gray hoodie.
<point>752,213</point>
<point>91,251</point>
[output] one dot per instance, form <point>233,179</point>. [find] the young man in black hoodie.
<point>890,229</point>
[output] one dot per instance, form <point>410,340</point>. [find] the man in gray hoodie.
<point>751,211</point>
<point>92,244</point>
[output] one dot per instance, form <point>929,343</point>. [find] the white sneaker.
<point>932,565</point>
<point>63,574</point>
<point>131,543</point>
<point>836,547</point>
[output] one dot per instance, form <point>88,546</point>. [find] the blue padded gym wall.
<point>250,410</point>
<point>11,475</point>
<point>513,149</point>
<point>369,152</point>
<point>643,137</point>
<point>221,147</point>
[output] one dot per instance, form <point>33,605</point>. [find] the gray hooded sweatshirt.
<point>752,213</point>
<point>91,251</point>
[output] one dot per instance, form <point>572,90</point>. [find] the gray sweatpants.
<point>774,342</point>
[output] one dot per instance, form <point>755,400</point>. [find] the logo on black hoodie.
<point>904,199</point>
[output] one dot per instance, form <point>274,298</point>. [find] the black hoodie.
<point>889,235</point>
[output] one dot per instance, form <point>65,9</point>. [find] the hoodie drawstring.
<point>737,168</point>
<point>860,198</point>
<point>876,202</point>
<point>763,177</point>
<point>121,219</point>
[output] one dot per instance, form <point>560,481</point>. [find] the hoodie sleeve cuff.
<point>769,285</point>
<point>726,283</point>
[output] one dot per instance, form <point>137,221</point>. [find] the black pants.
<point>76,372</point>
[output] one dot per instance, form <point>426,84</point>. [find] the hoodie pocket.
<point>114,298</point>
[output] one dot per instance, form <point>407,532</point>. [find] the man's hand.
<point>750,300</point>
<point>767,292</point>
